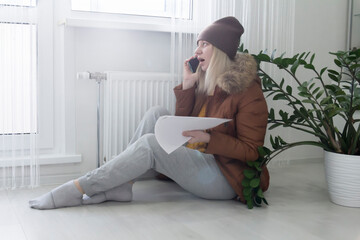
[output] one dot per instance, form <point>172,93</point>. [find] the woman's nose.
<point>197,51</point>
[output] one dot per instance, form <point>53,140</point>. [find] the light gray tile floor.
<point>299,209</point>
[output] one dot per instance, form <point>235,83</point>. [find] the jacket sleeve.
<point>251,122</point>
<point>185,100</point>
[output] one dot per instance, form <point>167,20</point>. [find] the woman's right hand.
<point>189,78</point>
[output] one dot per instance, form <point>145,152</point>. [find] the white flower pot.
<point>343,178</point>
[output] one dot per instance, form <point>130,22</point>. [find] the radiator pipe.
<point>98,77</point>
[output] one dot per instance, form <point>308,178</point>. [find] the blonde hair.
<point>208,80</point>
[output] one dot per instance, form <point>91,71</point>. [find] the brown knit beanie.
<point>224,34</point>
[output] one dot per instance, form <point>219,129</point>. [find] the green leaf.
<point>249,173</point>
<point>306,55</point>
<point>245,182</point>
<point>247,192</point>
<point>302,88</point>
<point>272,114</point>
<point>333,72</point>
<point>277,142</point>
<point>272,142</point>
<point>337,62</point>
<point>275,125</point>
<point>311,85</point>
<point>353,67</point>
<point>330,106</point>
<point>279,96</point>
<point>322,71</point>
<point>282,82</point>
<point>334,112</point>
<point>309,66</point>
<point>294,66</point>
<point>308,101</point>
<point>289,90</point>
<point>304,112</point>
<point>284,63</point>
<point>257,166</point>
<point>325,100</point>
<point>284,115</point>
<point>282,141</point>
<point>250,204</point>
<point>255,182</point>
<point>263,57</point>
<point>319,94</point>
<point>304,94</point>
<point>302,55</point>
<point>261,151</point>
<point>241,48</point>
<point>333,77</point>
<point>316,90</point>
<point>260,193</point>
<point>250,163</point>
<point>312,58</point>
<point>278,61</point>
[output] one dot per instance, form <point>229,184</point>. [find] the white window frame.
<point>147,13</point>
<point>74,18</point>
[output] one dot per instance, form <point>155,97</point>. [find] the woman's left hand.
<point>197,136</point>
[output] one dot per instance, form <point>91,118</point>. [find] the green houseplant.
<point>324,106</point>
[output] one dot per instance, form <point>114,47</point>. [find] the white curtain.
<point>18,94</point>
<point>269,25</point>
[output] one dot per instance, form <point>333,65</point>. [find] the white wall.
<point>320,27</point>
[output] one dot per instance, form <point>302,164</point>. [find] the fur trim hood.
<point>240,75</point>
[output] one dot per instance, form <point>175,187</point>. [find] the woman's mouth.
<point>201,60</point>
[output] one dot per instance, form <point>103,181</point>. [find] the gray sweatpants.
<point>194,171</point>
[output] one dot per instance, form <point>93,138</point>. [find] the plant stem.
<point>300,129</point>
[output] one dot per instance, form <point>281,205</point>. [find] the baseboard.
<point>288,162</point>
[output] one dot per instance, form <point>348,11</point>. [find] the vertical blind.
<point>18,94</point>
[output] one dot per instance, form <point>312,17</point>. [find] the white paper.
<point>169,129</point>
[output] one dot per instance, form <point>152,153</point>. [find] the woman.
<point>211,165</point>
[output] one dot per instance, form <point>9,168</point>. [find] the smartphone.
<point>193,64</point>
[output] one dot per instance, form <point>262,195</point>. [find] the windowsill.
<point>107,24</point>
<point>59,159</point>
<point>43,160</point>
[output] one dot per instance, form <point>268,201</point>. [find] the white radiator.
<point>127,96</point>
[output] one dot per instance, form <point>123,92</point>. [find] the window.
<point>157,8</point>
<point>18,68</point>
<point>27,3</point>
<point>18,77</point>
<point>26,71</point>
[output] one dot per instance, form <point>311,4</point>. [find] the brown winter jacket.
<point>238,96</point>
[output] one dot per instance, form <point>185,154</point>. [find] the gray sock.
<point>66,195</point>
<point>122,193</point>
